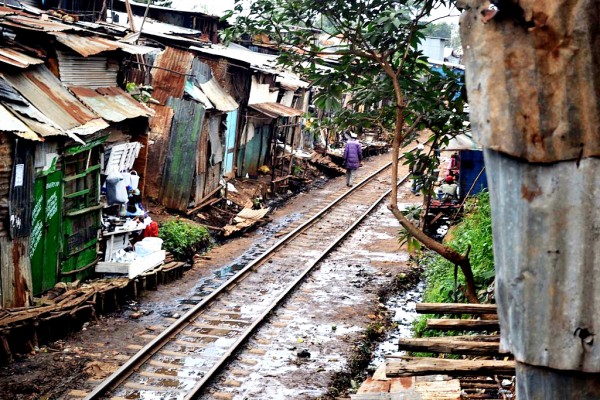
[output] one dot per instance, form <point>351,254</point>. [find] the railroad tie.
<point>223,396</point>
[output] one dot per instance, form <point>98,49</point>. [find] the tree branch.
<point>448,253</point>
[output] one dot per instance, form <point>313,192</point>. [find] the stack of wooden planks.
<point>23,329</point>
<point>482,372</point>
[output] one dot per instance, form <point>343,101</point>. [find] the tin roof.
<point>12,124</point>
<point>139,4</point>
<point>23,110</point>
<point>266,63</point>
<point>275,110</point>
<point>112,103</point>
<point>86,45</point>
<point>221,100</point>
<point>163,30</point>
<point>46,93</point>
<point>36,24</point>
<point>12,57</point>
<point>92,45</point>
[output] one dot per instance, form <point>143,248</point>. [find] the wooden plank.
<point>455,308</point>
<point>191,344</point>
<point>160,364</point>
<point>470,338</point>
<point>463,324</point>
<point>415,366</point>
<point>434,345</point>
<point>140,386</point>
<point>374,386</point>
<point>218,327</point>
<point>165,376</point>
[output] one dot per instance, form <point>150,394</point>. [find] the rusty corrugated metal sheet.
<point>219,98</point>
<point>22,109</point>
<point>7,11</point>
<point>46,93</point>
<point>169,78</point>
<point>6,162</point>
<point>160,128</point>
<point>533,92</point>
<point>36,24</point>
<point>12,124</point>
<point>16,59</point>
<point>112,103</point>
<point>275,110</point>
<point>93,71</point>
<point>92,45</point>
<point>546,224</point>
<point>86,45</point>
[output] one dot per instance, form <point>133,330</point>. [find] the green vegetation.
<point>475,230</point>
<point>184,239</point>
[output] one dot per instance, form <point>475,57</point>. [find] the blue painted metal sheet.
<point>232,117</point>
<point>471,166</point>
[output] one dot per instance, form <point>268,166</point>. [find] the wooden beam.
<point>455,308</point>
<point>205,201</point>
<point>470,338</point>
<point>419,366</point>
<point>463,324</point>
<point>434,345</point>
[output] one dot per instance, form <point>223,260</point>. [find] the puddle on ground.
<point>403,307</point>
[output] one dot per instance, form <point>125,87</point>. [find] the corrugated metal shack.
<point>270,122</point>
<point>205,23</point>
<point>55,139</point>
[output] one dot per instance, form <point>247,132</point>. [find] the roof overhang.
<point>276,110</point>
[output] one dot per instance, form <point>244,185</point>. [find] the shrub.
<point>184,239</point>
<point>474,230</point>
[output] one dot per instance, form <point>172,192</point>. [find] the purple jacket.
<point>352,155</point>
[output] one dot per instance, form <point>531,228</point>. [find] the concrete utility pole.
<point>533,82</point>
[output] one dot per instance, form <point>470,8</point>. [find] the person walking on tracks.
<point>352,158</point>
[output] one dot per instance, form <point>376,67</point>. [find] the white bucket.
<point>153,243</point>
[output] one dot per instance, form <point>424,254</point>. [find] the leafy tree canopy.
<point>372,59</point>
<point>442,30</point>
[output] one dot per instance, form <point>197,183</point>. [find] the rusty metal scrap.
<point>36,24</point>
<point>166,83</point>
<point>531,90</point>
<point>17,59</point>
<point>46,93</point>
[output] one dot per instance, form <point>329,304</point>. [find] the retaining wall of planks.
<point>22,330</point>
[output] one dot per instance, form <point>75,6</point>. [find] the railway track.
<point>182,359</point>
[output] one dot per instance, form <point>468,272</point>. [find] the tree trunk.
<point>449,254</point>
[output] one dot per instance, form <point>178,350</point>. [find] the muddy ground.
<point>77,363</point>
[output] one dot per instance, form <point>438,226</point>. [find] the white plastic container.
<point>143,248</point>
<point>153,243</point>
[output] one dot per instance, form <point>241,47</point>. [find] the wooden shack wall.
<point>15,267</point>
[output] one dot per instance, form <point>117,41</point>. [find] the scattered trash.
<point>303,354</point>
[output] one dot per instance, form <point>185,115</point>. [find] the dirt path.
<point>79,361</point>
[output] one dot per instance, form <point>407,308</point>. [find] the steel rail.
<point>144,354</point>
<point>262,318</point>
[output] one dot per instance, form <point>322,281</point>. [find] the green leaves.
<point>184,239</point>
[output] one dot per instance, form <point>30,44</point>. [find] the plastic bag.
<point>116,189</point>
